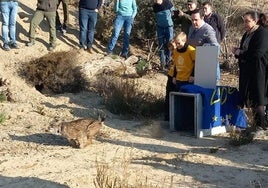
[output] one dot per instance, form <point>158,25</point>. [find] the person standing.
<point>45,9</point>
<point>184,60</point>
<point>252,55</point>
<point>170,86</point>
<point>163,10</point>
<point>181,71</point>
<point>201,33</point>
<point>88,15</point>
<point>62,26</point>
<point>183,19</point>
<point>9,10</point>
<point>126,11</point>
<point>214,20</point>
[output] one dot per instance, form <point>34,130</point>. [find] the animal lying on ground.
<point>79,132</point>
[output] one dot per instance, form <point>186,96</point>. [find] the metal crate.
<point>186,112</point>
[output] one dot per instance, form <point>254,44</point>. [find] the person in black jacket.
<point>253,65</point>
<point>88,14</point>
<point>62,26</point>
<point>214,20</point>
<point>45,9</point>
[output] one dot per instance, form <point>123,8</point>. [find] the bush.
<point>124,96</point>
<point>57,72</point>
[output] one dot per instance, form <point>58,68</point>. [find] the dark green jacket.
<point>47,5</point>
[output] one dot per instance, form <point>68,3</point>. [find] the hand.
<point>181,13</point>
<point>236,51</point>
<point>96,10</point>
<point>191,79</point>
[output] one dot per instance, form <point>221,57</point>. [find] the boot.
<point>260,121</point>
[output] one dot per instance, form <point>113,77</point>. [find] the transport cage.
<point>185,112</point>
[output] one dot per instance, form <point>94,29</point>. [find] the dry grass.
<point>117,174</point>
<point>124,96</point>
<point>240,137</point>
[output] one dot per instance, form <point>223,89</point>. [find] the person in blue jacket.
<point>126,11</point>
<point>163,10</point>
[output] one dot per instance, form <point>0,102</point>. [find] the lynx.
<point>79,132</point>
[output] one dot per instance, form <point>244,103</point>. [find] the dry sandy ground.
<point>136,152</point>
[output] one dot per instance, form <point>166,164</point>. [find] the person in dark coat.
<point>253,65</point>
<point>88,16</point>
<point>214,20</point>
<point>62,26</point>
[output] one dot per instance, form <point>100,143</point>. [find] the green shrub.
<point>3,97</point>
<point>2,118</point>
<point>141,67</point>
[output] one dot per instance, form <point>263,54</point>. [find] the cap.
<point>191,1</point>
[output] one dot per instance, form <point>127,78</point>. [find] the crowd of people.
<point>198,26</point>
<point>201,26</point>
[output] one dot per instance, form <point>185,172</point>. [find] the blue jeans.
<point>164,36</point>
<point>120,21</point>
<point>9,12</point>
<point>87,22</point>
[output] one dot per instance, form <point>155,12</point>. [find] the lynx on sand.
<point>79,132</point>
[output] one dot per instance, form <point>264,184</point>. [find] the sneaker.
<point>6,47</point>
<point>31,43</point>
<point>64,29</point>
<point>14,46</point>
<point>51,48</point>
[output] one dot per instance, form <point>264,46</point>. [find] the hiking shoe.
<point>31,43</point>
<point>108,54</point>
<point>14,46</point>
<point>59,27</point>
<point>89,50</point>
<point>82,47</point>
<point>6,47</point>
<point>125,56</point>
